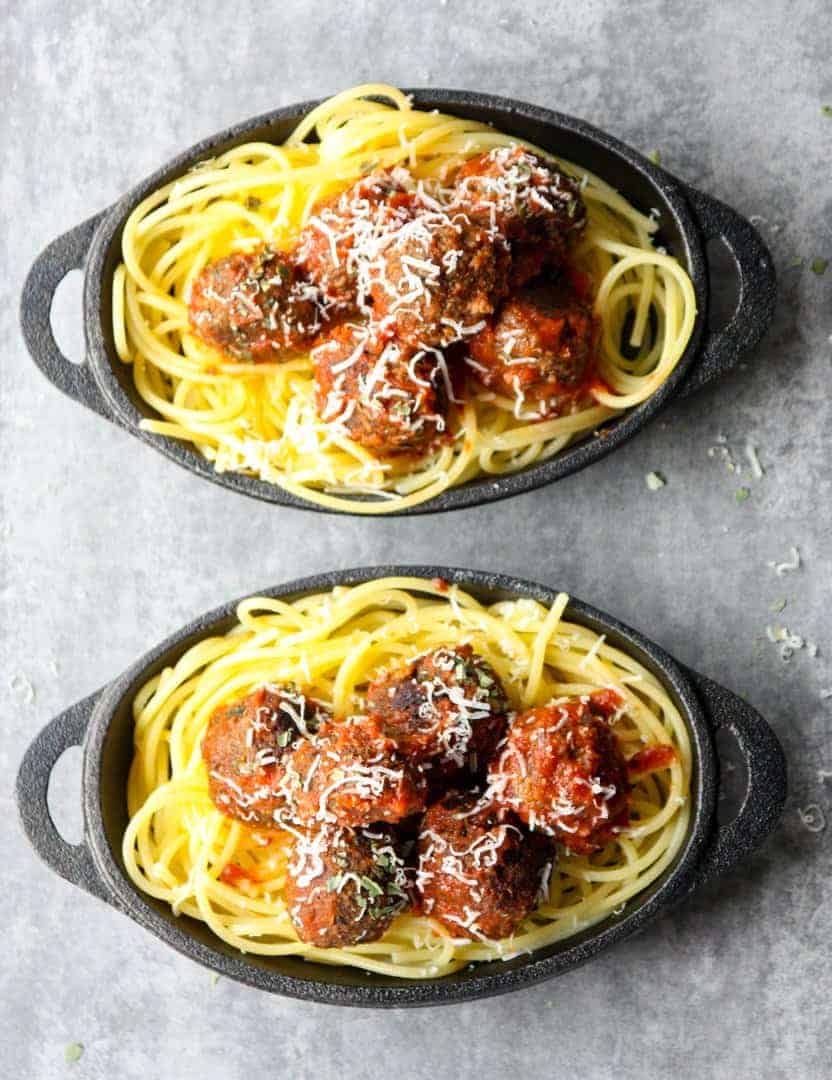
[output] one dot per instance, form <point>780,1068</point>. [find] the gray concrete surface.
<point>107,546</point>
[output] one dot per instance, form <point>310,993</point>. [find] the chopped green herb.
<point>655,480</point>
<point>655,156</point>
<point>372,887</point>
<point>826,110</point>
<point>73,1052</point>
<point>387,909</point>
<point>742,494</point>
<point>795,262</point>
<point>333,882</point>
<point>214,979</point>
<point>778,605</point>
<point>284,738</point>
<point>818,265</point>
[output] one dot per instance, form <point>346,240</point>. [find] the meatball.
<point>386,397</point>
<point>353,775</point>
<point>346,234</point>
<point>538,349</point>
<point>562,772</point>
<point>523,197</point>
<point>438,278</point>
<point>528,261</point>
<point>344,886</point>
<point>245,747</point>
<point>479,875</point>
<point>445,708</point>
<point>255,307</point>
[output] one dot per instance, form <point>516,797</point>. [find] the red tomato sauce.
<point>651,759</point>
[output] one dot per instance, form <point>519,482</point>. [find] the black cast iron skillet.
<point>688,217</point>
<point>103,725</point>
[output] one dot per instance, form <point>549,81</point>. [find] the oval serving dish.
<point>103,725</point>
<point>689,219</point>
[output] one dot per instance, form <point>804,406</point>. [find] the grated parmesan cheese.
<point>793,563</point>
<point>655,481</point>
<point>812,818</point>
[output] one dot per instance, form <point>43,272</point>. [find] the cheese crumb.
<point>20,685</point>
<point>655,481</point>
<point>793,563</point>
<point>757,470</point>
<point>812,818</point>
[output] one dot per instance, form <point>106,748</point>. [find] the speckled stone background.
<point>107,546</point>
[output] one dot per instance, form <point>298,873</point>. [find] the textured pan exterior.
<point>96,865</point>
<point>694,218</point>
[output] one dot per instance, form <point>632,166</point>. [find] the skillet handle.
<point>767,778</point>
<point>72,861</point>
<point>66,253</point>
<point>757,288</point>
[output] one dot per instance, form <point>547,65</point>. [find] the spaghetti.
<point>178,847</point>
<point>261,418</point>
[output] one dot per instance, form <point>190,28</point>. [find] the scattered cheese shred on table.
<point>655,481</point>
<point>793,563</point>
<point>812,818</point>
<point>757,470</point>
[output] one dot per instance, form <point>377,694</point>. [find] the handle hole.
<point>63,795</point>
<point>733,778</point>
<point>66,316</point>
<point>724,278</point>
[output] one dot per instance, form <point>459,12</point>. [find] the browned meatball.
<point>563,773</point>
<point>445,709</point>
<point>348,232</point>
<point>524,197</point>
<point>389,398</point>
<point>255,307</point>
<point>539,350</point>
<point>438,278</point>
<point>478,874</point>
<point>352,775</point>
<point>344,886</point>
<point>245,747</point>
<point>528,261</point>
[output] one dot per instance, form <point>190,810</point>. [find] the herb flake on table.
<point>73,1052</point>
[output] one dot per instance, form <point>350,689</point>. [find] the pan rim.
<point>678,880</point>
<point>480,490</point>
